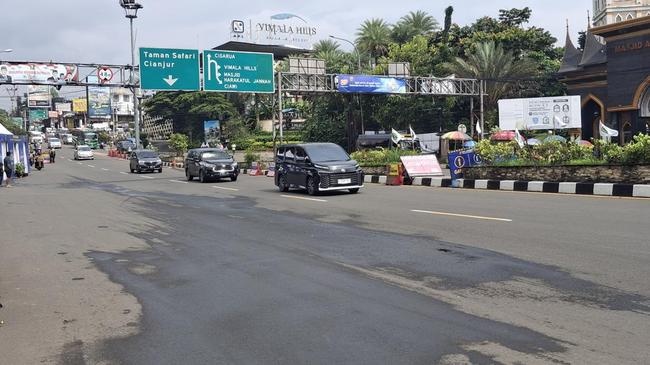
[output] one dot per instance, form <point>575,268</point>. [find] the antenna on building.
<point>588,20</point>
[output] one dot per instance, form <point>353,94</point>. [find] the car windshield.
<point>147,154</point>
<point>215,155</point>
<point>326,153</point>
<point>84,149</point>
<point>54,140</point>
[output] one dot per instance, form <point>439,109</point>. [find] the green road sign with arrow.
<point>242,72</point>
<point>169,69</point>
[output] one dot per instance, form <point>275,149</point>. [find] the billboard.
<point>560,112</point>
<point>27,73</point>
<point>99,102</point>
<point>37,114</point>
<point>370,84</point>
<point>38,96</point>
<point>79,105</point>
<point>63,107</point>
<point>212,131</point>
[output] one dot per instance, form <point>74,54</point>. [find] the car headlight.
<point>321,167</point>
<point>234,165</point>
<point>205,164</point>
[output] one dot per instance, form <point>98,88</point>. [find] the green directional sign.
<point>169,69</point>
<point>242,72</point>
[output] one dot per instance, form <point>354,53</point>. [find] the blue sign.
<point>370,84</point>
<point>458,160</point>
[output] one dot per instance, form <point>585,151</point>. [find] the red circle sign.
<point>105,74</point>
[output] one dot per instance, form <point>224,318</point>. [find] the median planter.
<point>622,174</point>
<point>374,170</point>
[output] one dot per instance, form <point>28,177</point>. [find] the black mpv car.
<point>144,160</point>
<point>210,163</point>
<point>316,167</point>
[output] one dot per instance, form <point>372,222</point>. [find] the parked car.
<point>145,160</point>
<point>210,163</point>
<point>83,152</point>
<point>54,143</point>
<point>125,146</point>
<point>316,167</point>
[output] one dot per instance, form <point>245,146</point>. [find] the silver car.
<point>83,152</point>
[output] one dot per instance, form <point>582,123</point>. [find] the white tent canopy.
<point>5,131</point>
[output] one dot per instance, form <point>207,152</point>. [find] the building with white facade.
<point>616,11</point>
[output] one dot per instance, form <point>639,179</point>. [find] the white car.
<point>83,152</point>
<point>54,143</point>
<point>36,136</point>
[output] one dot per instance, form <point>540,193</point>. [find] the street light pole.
<point>131,8</point>
<point>355,50</point>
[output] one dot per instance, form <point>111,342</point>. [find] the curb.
<point>599,189</point>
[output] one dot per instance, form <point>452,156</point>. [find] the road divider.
<point>461,215</point>
<point>303,198</point>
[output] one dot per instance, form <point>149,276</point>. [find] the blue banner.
<point>458,160</point>
<point>370,84</point>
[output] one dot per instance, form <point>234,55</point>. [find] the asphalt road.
<point>123,268</point>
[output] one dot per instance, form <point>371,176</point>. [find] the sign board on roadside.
<point>459,160</point>
<point>422,165</point>
<point>104,74</point>
<point>557,112</point>
<point>169,69</point>
<point>242,72</point>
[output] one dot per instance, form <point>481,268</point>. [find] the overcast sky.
<point>95,31</point>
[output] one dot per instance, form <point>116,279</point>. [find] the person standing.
<point>2,172</point>
<point>52,155</point>
<point>9,168</point>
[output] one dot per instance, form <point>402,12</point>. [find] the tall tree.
<point>326,45</point>
<point>515,17</point>
<point>500,68</point>
<point>374,37</point>
<point>413,24</point>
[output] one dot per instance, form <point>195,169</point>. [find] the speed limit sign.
<point>105,74</point>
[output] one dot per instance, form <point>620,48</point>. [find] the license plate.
<point>345,181</point>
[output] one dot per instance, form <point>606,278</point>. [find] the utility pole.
<point>131,8</point>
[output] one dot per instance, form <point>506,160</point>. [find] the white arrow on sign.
<point>170,80</point>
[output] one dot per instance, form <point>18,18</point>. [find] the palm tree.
<point>490,62</point>
<point>374,37</point>
<point>419,22</point>
<point>326,45</point>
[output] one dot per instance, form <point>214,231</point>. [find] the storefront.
<point>612,76</point>
<point>17,145</point>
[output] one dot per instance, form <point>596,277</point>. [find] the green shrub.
<point>380,157</point>
<point>179,143</point>
<point>250,156</point>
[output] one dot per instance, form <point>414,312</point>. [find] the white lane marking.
<point>303,198</point>
<point>105,169</point>
<point>223,188</point>
<point>70,160</point>
<point>91,166</point>
<point>462,215</point>
<point>178,181</point>
<point>80,163</point>
<point>123,173</point>
<point>145,177</point>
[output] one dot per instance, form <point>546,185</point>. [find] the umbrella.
<point>456,136</point>
<point>582,142</point>
<point>503,136</point>
<point>469,144</point>
<point>533,141</point>
<point>555,137</point>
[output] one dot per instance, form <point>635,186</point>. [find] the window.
<point>627,133</point>
<point>126,98</point>
<point>629,17</point>
<point>300,155</point>
<point>289,155</point>
<point>619,18</point>
<point>280,155</point>
<point>116,98</point>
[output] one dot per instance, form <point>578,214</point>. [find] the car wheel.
<point>233,178</point>
<point>312,187</point>
<point>187,175</point>
<point>354,191</point>
<point>202,176</point>
<point>282,183</point>
<point>132,170</point>
<point>160,170</point>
